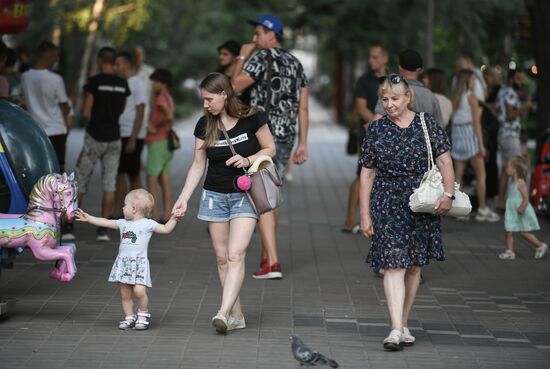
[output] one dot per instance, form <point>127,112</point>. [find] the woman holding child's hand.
<point>230,215</point>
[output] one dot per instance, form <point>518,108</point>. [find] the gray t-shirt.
<point>424,100</point>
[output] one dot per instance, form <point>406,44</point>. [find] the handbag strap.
<point>431,163</point>
<point>229,142</point>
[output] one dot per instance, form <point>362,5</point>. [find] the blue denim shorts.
<point>222,207</point>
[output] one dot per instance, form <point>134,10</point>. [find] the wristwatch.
<point>240,57</point>
<point>449,195</point>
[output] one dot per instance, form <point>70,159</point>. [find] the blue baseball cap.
<point>269,21</point>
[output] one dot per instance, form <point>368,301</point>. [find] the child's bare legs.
<point>509,241</point>
<point>531,238</point>
<point>126,299</point>
<point>140,291</point>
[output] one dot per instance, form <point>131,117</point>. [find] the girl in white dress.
<point>131,267</point>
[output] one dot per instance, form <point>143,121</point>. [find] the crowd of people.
<point>256,104</point>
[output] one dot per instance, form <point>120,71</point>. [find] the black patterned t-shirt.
<point>287,78</point>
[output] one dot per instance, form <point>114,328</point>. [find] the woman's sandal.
<point>407,339</point>
<point>393,341</point>
<point>142,322</point>
<point>128,322</point>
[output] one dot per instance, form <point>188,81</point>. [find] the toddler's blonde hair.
<point>144,201</point>
<point>521,164</point>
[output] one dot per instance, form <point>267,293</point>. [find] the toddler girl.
<point>131,267</point>
<point>520,215</point>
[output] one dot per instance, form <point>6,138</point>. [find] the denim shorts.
<point>222,207</point>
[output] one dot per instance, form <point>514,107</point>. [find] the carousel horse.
<point>52,198</point>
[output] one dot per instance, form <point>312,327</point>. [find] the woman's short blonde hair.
<point>143,200</point>
<point>396,84</point>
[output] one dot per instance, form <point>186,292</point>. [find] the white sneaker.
<point>507,255</point>
<point>541,251</point>
<point>233,323</point>
<point>486,215</point>
<point>219,321</point>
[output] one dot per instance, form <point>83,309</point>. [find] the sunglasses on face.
<point>393,79</point>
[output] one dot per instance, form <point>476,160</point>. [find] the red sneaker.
<point>269,272</point>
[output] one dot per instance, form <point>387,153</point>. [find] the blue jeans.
<point>222,207</point>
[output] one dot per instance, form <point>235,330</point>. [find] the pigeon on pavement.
<point>307,357</point>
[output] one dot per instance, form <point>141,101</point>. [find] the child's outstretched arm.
<point>168,227</point>
<point>522,186</point>
<point>82,216</point>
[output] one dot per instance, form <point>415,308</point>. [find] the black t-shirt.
<point>219,176</point>
<point>109,92</point>
<point>367,88</point>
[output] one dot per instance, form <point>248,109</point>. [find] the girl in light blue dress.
<point>520,215</point>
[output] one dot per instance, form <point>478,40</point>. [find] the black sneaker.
<point>102,235</point>
<point>67,233</point>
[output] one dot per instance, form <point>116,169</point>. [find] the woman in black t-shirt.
<point>230,215</point>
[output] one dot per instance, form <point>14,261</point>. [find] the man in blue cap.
<point>277,84</point>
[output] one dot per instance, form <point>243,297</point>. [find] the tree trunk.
<point>92,30</point>
<point>429,32</point>
<point>540,14</point>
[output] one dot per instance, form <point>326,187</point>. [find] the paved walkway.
<point>474,311</point>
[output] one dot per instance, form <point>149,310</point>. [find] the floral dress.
<point>132,265</point>
<point>401,238</point>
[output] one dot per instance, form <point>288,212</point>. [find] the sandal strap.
<point>144,314</point>
<point>393,337</point>
<point>407,336</point>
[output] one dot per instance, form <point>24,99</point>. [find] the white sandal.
<point>407,339</point>
<point>142,322</point>
<point>128,322</point>
<point>393,341</point>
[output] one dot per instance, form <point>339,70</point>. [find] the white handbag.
<point>423,199</point>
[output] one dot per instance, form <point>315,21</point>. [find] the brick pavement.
<point>474,311</point>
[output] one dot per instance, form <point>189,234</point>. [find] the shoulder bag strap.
<point>431,163</point>
<point>229,142</point>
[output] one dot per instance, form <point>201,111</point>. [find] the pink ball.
<point>244,183</point>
